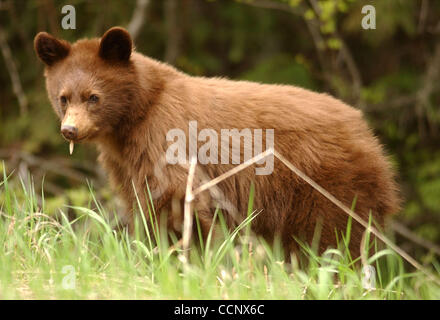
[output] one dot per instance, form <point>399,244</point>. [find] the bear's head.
<point>91,83</point>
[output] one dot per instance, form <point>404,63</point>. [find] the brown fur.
<point>142,99</point>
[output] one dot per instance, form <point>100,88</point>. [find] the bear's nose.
<point>69,132</point>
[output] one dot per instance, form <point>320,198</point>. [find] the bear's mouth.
<point>78,140</point>
<point>81,138</point>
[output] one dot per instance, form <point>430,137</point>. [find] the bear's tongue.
<point>72,144</point>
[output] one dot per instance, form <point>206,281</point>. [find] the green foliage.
<point>39,251</point>
<point>279,43</point>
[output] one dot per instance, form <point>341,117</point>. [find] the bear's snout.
<point>69,132</point>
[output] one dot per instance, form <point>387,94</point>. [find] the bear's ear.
<point>116,45</point>
<point>49,49</point>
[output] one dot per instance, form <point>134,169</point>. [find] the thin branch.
<point>351,66</point>
<point>44,164</point>
<point>138,18</point>
<point>424,9</point>
<point>173,31</point>
<point>312,26</point>
<point>319,43</point>
<point>356,217</point>
<point>404,231</point>
<point>190,197</point>
<point>346,55</point>
<point>231,172</point>
<point>188,216</point>
<point>13,73</point>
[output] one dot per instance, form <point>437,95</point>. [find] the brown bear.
<point>130,106</point>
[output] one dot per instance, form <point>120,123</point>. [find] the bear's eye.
<point>93,98</point>
<point>63,100</point>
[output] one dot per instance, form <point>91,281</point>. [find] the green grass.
<point>46,256</point>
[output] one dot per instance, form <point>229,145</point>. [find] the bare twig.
<point>317,187</point>
<point>231,172</point>
<point>13,73</point>
<point>362,248</point>
<point>313,26</point>
<point>138,18</point>
<point>188,215</point>
<point>319,43</point>
<point>346,55</point>
<point>352,68</point>
<point>404,231</point>
<point>424,9</point>
<point>173,31</point>
<point>45,164</point>
<point>356,217</point>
